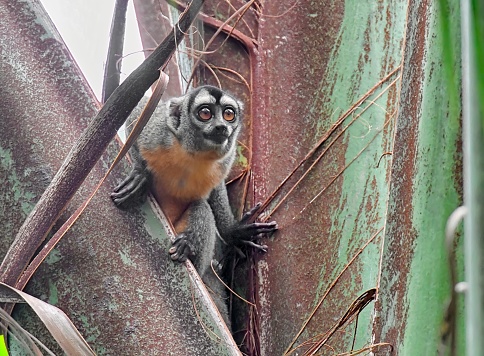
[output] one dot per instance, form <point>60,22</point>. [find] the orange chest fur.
<point>181,175</point>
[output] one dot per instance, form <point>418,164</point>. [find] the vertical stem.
<point>473,188</point>
<point>115,50</point>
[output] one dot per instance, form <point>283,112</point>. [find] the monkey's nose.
<point>221,130</point>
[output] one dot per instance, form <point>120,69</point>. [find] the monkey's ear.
<point>174,113</point>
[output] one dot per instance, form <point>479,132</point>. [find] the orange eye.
<point>205,114</point>
<point>229,114</point>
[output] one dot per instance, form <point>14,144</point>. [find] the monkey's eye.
<point>205,114</point>
<point>229,114</point>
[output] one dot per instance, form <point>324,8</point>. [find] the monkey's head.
<point>206,119</point>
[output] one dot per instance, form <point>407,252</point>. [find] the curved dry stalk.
<point>56,321</point>
<point>210,333</point>
<point>353,311</point>
<point>209,67</point>
<point>331,286</point>
<point>383,155</point>
<point>238,177</point>
<point>344,168</point>
<point>25,340</point>
<point>321,141</point>
<point>234,72</point>
<point>248,42</point>
<point>369,348</point>
<point>240,12</point>
<point>230,289</point>
<point>243,21</point>
<point>261,14</point>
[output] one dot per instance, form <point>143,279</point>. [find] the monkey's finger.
<point>132,186</point>
<point>255,232</point>
<point>187,252</point>
<point>262,248</point>
<point>176,248</point>
<point>250,214</point>
<point>187,249</point>
<point>180,241</point>
<point>261,227</point>
<point>176,254</point>
<point>128,179</point>
<point>181,249</point>
<point>180,253</point>
<point>177,240</point>
<point>132,189</point>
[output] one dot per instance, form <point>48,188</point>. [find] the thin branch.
<point>223,26</point>
<point>243,21</point>
<point>356,307</point>
<point>240,12</point>
<point>353,311</point>
<point>369,348</point>
<point>383,155</point>
<point>112,70</point>
<point>282,14</point>
<point>235,73</point>
<point>226,286</point>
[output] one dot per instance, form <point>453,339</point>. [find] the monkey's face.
<point>214,117</point>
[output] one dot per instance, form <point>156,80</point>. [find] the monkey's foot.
<point>132,189</point>
<point>181,249</point>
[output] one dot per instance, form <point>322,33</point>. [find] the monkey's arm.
<point>231,230</point>
<point>133,189</point>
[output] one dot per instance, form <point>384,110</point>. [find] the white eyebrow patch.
<point>226,100</point>
<point>204,97</point>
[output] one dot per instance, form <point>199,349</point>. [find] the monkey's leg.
<point>196,241</point>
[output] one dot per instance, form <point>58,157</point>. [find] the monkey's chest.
<point>183,176</point>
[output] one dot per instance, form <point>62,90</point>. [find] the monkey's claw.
<point>181,249</point>
<point>262,248</point>
<point>254,230</point>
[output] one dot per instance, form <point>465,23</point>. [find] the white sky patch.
<point>84,25</point>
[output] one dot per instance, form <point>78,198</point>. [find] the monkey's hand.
<point>246,232</point>
<point>182,248</point>
<point>132,189</point>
